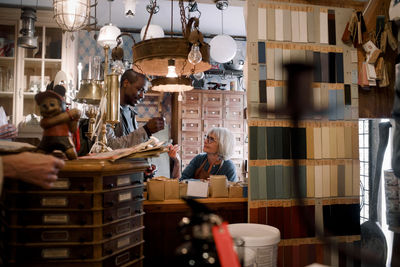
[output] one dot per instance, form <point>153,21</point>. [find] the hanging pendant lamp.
<point>72,15</point>
<point>223,47</point>
<point>108,33</point>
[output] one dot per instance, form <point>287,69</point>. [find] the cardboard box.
<point>197,189</point>
<point>171,189</point>
<point>235,190</point>
<point>155,189</point>
<point>219,186</point>
<point>183,189</point>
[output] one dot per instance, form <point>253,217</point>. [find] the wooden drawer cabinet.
<point>212,99</point>
<point>191,125</point>
<point>191,138</point>
<point>93,217</point>
<point>191,112</point>
<point>202,110</point>
<point>192,99</point>
<point>210,123</point>
<point>213,113</point>
<point>238,152</point>
<point>234,100</point>
<point>233,113</point>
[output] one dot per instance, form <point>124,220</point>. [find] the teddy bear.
<point>57,122</point>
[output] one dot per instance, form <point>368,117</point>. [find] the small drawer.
<point>209,124</point>
<point>120,181</point>
<point>124,241</point>
<point>239,139</point>
<point>125,257</point>
<point>191,112</point>
<point>62,183</point>
<point>190,151</point>
<point>115,198</point>
<point>233,113</point>
<point>234,126</point>
<point>48,201</point>
<point>124,210</point>
<point>191,125</point>
<point>192,99</point>
<point>124,226</point>
<point>191,138</point>
<point>212,100</point>
<point>237,152</point>
<point>213,113</point>
<point>234,100</point>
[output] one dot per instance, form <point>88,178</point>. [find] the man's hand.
<point>8,131</point>
<point>33,168</point>
<point>155,124</point>
<point>173,150</point>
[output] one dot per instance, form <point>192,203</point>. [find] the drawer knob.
<point>213,112</point>
<point>234,113</point>
<point>234,126</point>
<point>213,125</point>
<point>191,152</point>
<point>191,98</point>
<point>191,111</point>
<point>234,100</point>
<point>110,185</point>
<point>191,138</point>
<point>191,125</point>
<point>213,99</point>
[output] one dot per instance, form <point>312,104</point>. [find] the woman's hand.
<point>172,151</point>
<point>8,131</point>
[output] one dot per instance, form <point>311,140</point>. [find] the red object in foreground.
<point>223,241</point>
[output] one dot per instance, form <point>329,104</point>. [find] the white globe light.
<point>222,48</point>
<point>108,36</point>
<point>154,31</point>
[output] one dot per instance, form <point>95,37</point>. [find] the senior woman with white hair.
<point>218,148</point>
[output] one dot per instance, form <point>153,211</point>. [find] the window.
<point>363,134</point>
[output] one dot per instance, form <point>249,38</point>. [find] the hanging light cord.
<point>222,21</point>
<point>109,12</point>
<point>172,18</point>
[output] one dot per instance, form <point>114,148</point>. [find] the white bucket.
<point>262,239</point>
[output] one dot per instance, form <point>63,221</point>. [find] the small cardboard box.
<point>235,190</point>
<point>219,186</point>
<point>197,189</point>
<point>171,187</point>
<point>183,189</point>
<point>155,189</point>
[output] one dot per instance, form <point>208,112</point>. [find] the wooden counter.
<point>161,224</point>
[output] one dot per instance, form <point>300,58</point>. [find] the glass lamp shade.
<point>154,31</point>
<point>71,15</point>
<point>222,48</point>
<point>174,85</point>
<point>108,36</point>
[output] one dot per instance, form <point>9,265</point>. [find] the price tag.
<point>223,241</point>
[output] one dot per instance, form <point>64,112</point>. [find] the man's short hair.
<point>132,76</point>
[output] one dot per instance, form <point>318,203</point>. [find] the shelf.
<point>224,72</point>
<point>7,94</point>
<point>29,95</point>
<point>7,58</point>
<point>45,60</point>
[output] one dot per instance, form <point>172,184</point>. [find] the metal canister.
<point>112,116</point>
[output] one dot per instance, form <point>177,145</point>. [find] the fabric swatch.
<point>318,181</point>
<point>261,52</point>
<point>332,67</point>
<point>270,63</point>
<point>287,26</point>
<point>334,180</point>
<point>310,27</point>
<point>317,67</point>
<point>317,143</point>
<point>262,182</point>
<point>278,24</point>
<point>271,101</point>
<point>261,145</point>
<point>270,182</point>
<point>332,105</point>
<point>254,183</point>
<point>279,181</point>
<point>325,142</point>
<point>303,26</point>
<point>324,67</point>
<point>262,23</point>
<point>326,181</point>
<point>271,24</point>
<point>331,27</point>
<point>310,181</point>
<point>253,142</point>
<point>323,23</point>
<point>295,20</point>
<point>339,68</point>
<point>340,104</point>
<point>278,64</point>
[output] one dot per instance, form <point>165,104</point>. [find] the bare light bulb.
<point>171,69</point>
<point>195,56</point>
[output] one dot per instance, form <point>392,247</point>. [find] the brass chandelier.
<point>151,56</point>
